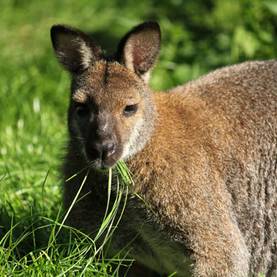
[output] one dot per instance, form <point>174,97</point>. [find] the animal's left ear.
<point>139,49</point>
<point>75,50</point>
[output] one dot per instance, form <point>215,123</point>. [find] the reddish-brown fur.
<point>206,168</point>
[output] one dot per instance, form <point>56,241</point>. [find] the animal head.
<point>111,112</point>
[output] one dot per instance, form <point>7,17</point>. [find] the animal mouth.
<point>100,160</point>
<point>107,163</point>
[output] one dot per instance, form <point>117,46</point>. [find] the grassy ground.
<point>33,100</point>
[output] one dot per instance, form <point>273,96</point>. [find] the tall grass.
<point>40,246</point>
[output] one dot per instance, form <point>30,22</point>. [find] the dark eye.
<point>130,110</point>
<point>82,110</point>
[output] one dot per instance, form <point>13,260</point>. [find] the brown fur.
<point>206,167</point>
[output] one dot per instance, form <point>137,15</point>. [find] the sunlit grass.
<point>34,239</point>
<point>54,249</point>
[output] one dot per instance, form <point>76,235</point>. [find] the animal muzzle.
<point>103,152</point>
<point>105,149</point>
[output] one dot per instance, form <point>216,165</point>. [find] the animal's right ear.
<point>139,49</point>
<point>74,49</point>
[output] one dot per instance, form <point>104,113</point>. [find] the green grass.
<point>34,93</point>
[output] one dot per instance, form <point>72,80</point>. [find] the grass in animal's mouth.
<point>38,244</point>
<point>124,173</point>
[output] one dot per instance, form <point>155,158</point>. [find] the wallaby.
<point>203,156</point>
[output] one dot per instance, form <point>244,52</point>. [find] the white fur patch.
<point>133,145</point>
<point>80,96</point>
<point>129,56</point>
<point>86,54</point>
<point>146,77</point>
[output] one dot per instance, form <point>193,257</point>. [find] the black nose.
<point>106,148</point>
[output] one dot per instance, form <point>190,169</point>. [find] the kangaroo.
<point>203,156</point>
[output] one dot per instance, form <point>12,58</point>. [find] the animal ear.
<point>138,50</point>
<point>74,49</point>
